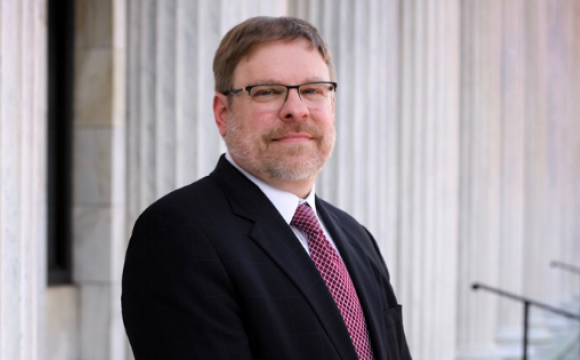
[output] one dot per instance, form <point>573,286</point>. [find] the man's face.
<point>293,142</point>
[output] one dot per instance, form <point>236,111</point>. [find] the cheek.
<point>324,120</point>
<point>325,114</point>
<point>260,123</point>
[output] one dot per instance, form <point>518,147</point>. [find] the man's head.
<point>243,38</point>
<point>280,133</point>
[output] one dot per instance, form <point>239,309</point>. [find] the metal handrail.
<point>527,303</point>
<point>567,267</point>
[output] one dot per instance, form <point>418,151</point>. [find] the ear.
<point>220,112</point>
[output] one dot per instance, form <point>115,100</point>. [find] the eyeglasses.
<point>314,94</point>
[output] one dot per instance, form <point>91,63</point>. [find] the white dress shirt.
<point>286,203</point>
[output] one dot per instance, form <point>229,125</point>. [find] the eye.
<point>314,90</point>
<point>267,91</point>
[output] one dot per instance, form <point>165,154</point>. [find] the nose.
<point>293,108</point>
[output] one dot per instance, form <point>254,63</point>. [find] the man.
<point>247,263</point>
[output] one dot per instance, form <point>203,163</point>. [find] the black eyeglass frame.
<point>288,87</point>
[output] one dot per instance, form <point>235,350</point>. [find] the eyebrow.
<point>272,81</point>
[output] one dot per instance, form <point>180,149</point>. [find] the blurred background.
<point>458,146</point>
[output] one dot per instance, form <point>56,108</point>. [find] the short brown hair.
<point>244,37</point>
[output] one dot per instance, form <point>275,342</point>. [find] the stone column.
<point>361,175</point>
<point>562,122</point>
<point>572,249</point>
<point>538,249</point>
<point>573,127</point>
<point>23,111</point>
<point>395,163</point>
<point>512,204</point>
<point>171,134</point>
<point>479,225</point>
<point>429,173</point>
<point>534,159</point>
<point>99,175</point>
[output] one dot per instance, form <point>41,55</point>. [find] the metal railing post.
<point>526,314</point>
<point>567,267</point>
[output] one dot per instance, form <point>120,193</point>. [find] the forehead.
<point>288,62</point>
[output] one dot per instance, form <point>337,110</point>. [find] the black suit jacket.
<point>212,271</point>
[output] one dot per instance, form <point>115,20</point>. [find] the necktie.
<point>335,275</point>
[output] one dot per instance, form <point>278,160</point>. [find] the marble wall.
<point>23,133</point>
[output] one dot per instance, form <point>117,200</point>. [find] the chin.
<point>295,168</point>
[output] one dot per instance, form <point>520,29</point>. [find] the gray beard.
<point>304,171</point>
<point>269,163</point>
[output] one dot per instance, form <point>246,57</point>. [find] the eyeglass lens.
<point>312,95</point>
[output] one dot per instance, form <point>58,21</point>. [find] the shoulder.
<point>344,218</point>
<point>204,188</point>
<point>181,206</point>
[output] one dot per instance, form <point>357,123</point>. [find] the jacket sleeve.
<point>177,299</point>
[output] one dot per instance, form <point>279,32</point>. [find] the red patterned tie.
<point>336,277</point>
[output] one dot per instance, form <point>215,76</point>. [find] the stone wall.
<point>99,176</point>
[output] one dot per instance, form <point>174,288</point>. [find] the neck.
<point>299,188</point>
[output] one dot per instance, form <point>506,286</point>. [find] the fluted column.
<point>23,109</point>
<point>573,126</point>
<point>172,137</point>
<point>98,175</point>
<point>479,226</point>
<point>538,249</point>
<point>511,211</point>
<point>395,162</point>
<point>562,122</point>
<point>361,175</point>
<point>572,248</point>
<point>535,158</point>
<point>429,165</point>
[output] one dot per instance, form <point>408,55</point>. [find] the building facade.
<point>458,146</point>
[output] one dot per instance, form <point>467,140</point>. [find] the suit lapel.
<point>278,240</point>
<point>275,237</point>
<point>358,268</point>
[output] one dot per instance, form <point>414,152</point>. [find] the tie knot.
<point>305,220</point>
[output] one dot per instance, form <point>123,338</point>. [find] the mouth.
<point>299,134</point>
<point>294,138</point>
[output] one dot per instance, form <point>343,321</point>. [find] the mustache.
<point>281,131</point>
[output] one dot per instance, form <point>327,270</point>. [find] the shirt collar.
<point>285,202</point>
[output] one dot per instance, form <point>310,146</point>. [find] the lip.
<point>294,138</point>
